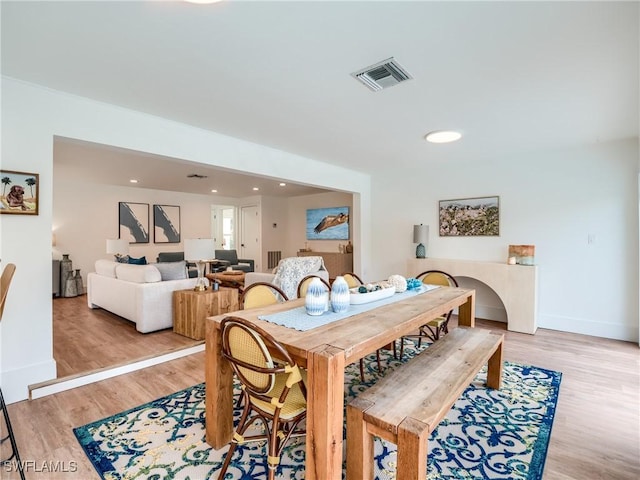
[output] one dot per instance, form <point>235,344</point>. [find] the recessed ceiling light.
<point>255,189</point>
<point>214,191</point>
<point>133,180</point>
<point>443,136</point>
<point>282,184</point>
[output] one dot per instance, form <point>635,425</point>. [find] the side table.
<point>191,308</point>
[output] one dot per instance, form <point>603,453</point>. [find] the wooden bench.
<point>405,406</point>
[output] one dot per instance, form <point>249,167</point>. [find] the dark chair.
<point>354,281</point>
<point>273,389</point>
<point>192,269</point>
<point>437,327</point>
<point>304,284</point>
<point>261,294</point>
<point>5,281</point>
<point>229,258</point>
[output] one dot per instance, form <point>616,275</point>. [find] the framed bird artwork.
<point>330,223</point>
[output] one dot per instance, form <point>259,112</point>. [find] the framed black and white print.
<point>133,219</point>
<point>166,224</point>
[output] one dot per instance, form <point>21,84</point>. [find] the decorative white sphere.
<point>399,282</point>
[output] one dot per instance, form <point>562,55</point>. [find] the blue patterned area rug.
<point>487,434</point>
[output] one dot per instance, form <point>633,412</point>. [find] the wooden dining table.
<point>324,351</point>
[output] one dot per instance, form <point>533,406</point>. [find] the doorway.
<point>223,226</point>
<point>250,235</point>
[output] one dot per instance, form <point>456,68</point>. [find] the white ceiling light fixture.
<point>255,189</point>
<point>214,191</point>
<point>282,184</point>
<point>133,180</point>
<point>443,136</point>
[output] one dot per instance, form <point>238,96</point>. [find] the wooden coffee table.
<point>233,278</point>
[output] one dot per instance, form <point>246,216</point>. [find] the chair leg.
<point>362,369</point>
<point>227,460</point>
<point>378,360</point>
<point>11,437</point>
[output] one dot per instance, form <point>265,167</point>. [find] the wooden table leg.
<point>325,413</point>
<point>467,311</point>
<point>218,390</point>
<point>494,368</point>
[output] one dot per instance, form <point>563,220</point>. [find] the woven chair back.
<point>262,294</point>
<point>5,281</point>
<point>438,277</point>
<point>304,285</point>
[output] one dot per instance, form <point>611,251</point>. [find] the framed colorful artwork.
<point>467,217</point>
<point>19,192</point>
<point>328,223</point>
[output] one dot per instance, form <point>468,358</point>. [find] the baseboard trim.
<point>51,387</point>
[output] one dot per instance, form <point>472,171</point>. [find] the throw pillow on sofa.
<point>138,273</point>
<point>172,270</point>
<point>138,261</point>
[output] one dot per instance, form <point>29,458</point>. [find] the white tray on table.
<point>359,298</point>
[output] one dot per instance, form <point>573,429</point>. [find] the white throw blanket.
<point>293,269</point>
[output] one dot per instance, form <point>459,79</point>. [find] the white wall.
<point>298,206</point>
<point>82,227</point>
<point>275,228</point>
<point>554,200</point>
<point>290,218</point>
<point>31,117</point>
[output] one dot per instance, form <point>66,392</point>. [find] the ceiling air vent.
<point>196,175</point>
<point>384,74</point>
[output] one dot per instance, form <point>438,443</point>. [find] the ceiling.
<point>81,161</point>
<point>513,77</point>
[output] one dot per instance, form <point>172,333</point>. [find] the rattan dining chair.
<point>437,327</point>
<point>273,389</point>
<point>262,294</point>
<point>352,279</point>
<point>5,282</point>
<point>304,284</point>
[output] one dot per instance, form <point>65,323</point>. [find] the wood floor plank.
<point>596,432</point>
<point>86,339</point>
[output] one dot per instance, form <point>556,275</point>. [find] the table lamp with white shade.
<point>199,251</point>
<point>119,247</point>
<point>421,237</point>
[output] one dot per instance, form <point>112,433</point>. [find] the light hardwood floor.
<point>595,433</point>
<point>85,339</point>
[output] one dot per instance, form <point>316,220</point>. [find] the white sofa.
<point>137,292</point>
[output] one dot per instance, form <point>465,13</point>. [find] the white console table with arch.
<point>515,285</point>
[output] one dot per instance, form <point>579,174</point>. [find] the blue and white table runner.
<point>298,319</point>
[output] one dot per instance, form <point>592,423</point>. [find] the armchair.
<point>230,259</point>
